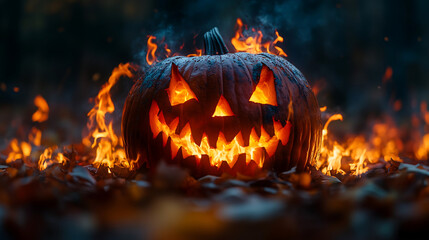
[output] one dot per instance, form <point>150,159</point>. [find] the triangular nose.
<point>222,108</point>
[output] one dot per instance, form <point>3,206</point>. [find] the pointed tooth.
<point>264,135</point>
<point>239,139</point>
<point>253,138</point>
<point>174,149</point>
<point>161,118</point>
<point>258,154</point>
<point>271,149</point>
<point>221,141</point>
<point>173,125</point>
<point>277,125</point>
<point>186,130</point>
<point>204,145</point>
<point>185,153</point>
<point>282,133</point>
<point>164,139</point>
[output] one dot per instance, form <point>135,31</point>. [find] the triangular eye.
<point>265,91</point>
<point>179,91</point>
<point>222,108</point>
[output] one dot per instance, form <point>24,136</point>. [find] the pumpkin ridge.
<point>251,79</point>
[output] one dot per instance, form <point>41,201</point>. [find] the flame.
<point>42,112</point>
<point>22,150</point>
<point>356,153</point>
<point>151,49</point>
<point>422,151</point>
<point>35,136</point>
<point>179,91</point>
<point>18,151</point>
<point>49,157</point>
<point>222,108</point>
<point>108,146</point>
<point>253,44</point>
<point>199,52</point>
<point>224,151</point>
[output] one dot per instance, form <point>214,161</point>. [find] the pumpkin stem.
<point>213,43</point>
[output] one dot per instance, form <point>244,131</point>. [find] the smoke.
<point>342,43</point>
<point>299,21</point>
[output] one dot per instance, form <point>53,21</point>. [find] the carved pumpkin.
<point>222,112</point>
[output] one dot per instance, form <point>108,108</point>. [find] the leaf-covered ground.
<point>78,201</point>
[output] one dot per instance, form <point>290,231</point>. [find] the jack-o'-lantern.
<point>222,112</point>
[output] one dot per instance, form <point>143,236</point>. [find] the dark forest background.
<point>66,49</point>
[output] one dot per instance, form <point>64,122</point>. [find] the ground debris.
<point>390,200</point>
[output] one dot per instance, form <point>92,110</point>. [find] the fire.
<point>224,151</point>
<point>253,44</point>
<point>222,108</point>
<point>35,136</point>
<point>199,52</point>
<point>49,157</point>
<point>108,146</point>
<point>356,153</point>
<point>42,112</point>
<point>18,151</point>
<point>22,150</point>
<point>422,152</point>
<point>151,49</point>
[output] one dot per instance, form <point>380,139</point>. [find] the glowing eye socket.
<point>222,108</point>
<point>265,91</point>
<point>179,91</point>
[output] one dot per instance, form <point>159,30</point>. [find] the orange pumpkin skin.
<point>235,77</point>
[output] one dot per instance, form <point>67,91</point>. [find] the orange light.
<point>279,50</point>
<point>51,156</point>
<point>387,74</point>
<point>423,150</point>
<point>42,112</point>
<point>222,108</point>
<point>224,151</point>
<point>357,152</point>
<point>151,49</point>
<point>18,151</point>
<point>109,151</point>
<point>265,91</point>
<point>253,44</point>
<point>35,136</point>
<point>179,91</point>
<point>198,52</point>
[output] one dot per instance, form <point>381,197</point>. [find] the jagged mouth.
<point>258,149</point>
